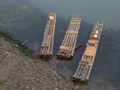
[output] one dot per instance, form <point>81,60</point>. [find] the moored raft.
<point>83,71</point>
<point>66,50</point>
<point>46,49</point>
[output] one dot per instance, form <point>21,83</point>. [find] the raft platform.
<point>46,49</point>
<point>66,50</point>
<point>83,71</point>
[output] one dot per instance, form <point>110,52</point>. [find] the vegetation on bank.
<point>16,43</point>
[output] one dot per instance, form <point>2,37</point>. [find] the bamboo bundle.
<point>86,63</point>
<point>48,39</point>
<point>67,47</point>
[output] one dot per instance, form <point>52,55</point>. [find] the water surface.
<point>92,10</point>
<point>26,22</point>
<point>105,74</point>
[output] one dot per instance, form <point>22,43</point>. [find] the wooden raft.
<point>86,63</point>
<point>66,50</point>
<point>48,39</point>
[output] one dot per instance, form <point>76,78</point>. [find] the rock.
<point>20,71</point>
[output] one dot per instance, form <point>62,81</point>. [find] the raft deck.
<point>48,39</point>
<point>83,71</point>
<point>66,50</point>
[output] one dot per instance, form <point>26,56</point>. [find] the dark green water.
<point>93,10</point>
<point>26,21</point>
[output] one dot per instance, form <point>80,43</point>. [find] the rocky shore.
<point>19,72</point>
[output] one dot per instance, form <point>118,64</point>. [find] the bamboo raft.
<point>48,39</point>
<point>83,71</point>
<point>66,50</point>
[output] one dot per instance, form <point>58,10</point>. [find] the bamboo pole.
<point>88,60</point>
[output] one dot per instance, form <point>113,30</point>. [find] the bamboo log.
<point>87,60</point>
<point>48,39</point>
<point>71,36</point>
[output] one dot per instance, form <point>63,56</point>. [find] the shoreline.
<point>17,44</point>
<point>20,72</point>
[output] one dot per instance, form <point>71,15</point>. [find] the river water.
<point>106,70</point>
<point>92,10</point>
